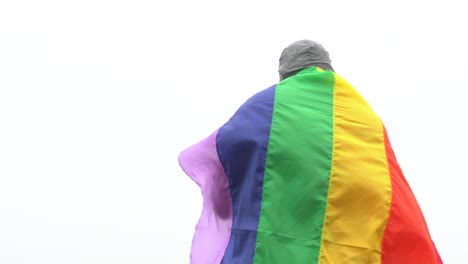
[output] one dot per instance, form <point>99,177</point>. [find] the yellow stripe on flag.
<point>360,189</point>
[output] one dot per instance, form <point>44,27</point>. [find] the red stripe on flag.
<point>406,238</point>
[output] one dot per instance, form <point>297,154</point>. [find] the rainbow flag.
<point>304,172</point>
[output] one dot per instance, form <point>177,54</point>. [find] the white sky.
<point>97,99</point>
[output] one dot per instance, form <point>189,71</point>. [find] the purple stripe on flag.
<point>201,162</point>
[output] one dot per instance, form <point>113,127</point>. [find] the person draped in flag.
<point>302,173</point>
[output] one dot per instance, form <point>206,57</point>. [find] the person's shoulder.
<point>266,95</point>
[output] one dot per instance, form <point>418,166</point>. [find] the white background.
<point>97,99</point>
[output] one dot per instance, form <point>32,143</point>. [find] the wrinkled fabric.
<point>304,172</point>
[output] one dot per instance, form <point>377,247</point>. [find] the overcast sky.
<point>97,99</point>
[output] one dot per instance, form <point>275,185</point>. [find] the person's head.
<point>302,54</point>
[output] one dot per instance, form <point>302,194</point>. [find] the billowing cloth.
<point>304,172</point>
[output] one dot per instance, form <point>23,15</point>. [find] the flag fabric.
<point>304,172</point>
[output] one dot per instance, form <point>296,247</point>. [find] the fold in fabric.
<point>304,172</point>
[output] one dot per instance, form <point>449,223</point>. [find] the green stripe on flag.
<point>297,170</point>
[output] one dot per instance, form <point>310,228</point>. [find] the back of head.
<point>302,54</point>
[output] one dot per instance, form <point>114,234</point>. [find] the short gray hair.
<point>302,54</point>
